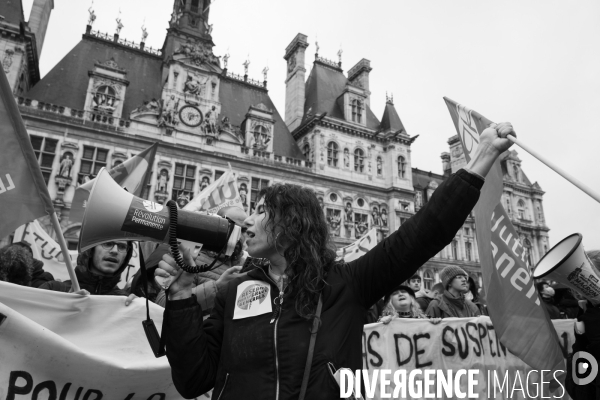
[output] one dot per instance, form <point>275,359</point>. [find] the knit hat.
<point>450,273</point>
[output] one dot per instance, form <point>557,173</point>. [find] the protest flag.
<point>133,175</point>
<point>23,192</point>
<point>359,247</point>
<point>521,322</point>
<point>220,194</point>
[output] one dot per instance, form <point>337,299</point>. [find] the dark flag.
<point>23,192</point>
<point>133,174</point>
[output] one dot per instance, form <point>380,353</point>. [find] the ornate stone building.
<point>109,98</point>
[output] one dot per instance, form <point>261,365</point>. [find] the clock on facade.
<point>190,116</point>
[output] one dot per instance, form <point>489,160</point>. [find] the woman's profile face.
<point>259,241</point>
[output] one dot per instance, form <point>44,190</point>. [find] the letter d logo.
<point>584,368</point>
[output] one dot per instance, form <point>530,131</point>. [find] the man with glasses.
<point>99,269</point>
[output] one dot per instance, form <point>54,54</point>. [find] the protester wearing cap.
<point>99,269</point>
<point>452,302</point>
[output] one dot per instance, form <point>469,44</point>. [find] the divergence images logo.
<point>152,206</point>
<point>585,368</point>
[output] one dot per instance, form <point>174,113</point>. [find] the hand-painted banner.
<point>458,344</point>
<point>220,194</point>
<point>358,248</point>
<point>67,346</point>
<point>522,323</point>
<point>48,251</point>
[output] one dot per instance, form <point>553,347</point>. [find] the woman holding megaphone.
<point>273,332</point>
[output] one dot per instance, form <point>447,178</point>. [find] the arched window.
<point>357,109</point>
<point>428,280</point>
<point>521,209</point>
<point>359,160</point>
<point>454,247</point>
<point>379,166</point>
<point>401,167</point>
<point>332,154</point>
<point>508,207</point>
<point>306,152</point>
<point>105,99</point>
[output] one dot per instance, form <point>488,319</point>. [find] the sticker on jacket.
<point>253,298</point>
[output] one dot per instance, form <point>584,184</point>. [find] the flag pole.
<point>556,169</point>
<point>65,251</point>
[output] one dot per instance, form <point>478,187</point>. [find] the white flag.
<point>358,248</point>
<point>220,194</point>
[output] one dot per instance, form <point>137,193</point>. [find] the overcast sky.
<point>534,63</point>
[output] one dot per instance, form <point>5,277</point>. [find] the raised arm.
<point>398,257</point>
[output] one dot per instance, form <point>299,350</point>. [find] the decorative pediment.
<point>197,53</point>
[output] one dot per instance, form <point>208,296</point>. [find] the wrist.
<point>483,158</point>
<point>181,294</point>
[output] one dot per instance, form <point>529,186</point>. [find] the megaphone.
<point>567,263</point>
<point>112,213</point>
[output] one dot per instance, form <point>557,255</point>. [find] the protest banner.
<point>521,322</point>
<point>45,249</point>
<point>220,194</point>
<point>132,174</point>
<point>65,346</point>
<point>358,248</point>
<point>456,344</point>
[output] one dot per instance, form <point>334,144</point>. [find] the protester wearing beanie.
<point>452,302</point>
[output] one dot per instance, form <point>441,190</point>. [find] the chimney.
<point>446,165</point>
<point>38,21</point>
<point>294,83</point>
<point>359,76</point>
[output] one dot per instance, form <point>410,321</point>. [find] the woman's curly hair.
<point>296,221</point>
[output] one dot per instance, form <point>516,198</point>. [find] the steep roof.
<point>323,87</point>
<point>237,97</point>
<point>66,84</point>
<point>422,178</point>
<point>12,11</point>
<point>390,119</point>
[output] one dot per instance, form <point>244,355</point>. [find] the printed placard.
<point>146,218</point>
<point>253,298</point>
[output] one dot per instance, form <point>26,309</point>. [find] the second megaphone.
<point>567,263</point>
<point>112,213</point>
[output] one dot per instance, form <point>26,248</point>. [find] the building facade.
<point>109,98</point>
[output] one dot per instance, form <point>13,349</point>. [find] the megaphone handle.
<point>556,169</point>
<point>175,246</point>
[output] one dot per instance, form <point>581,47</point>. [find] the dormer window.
<point>357,110</point>
<point>261,137</point>
<point>105,99</point>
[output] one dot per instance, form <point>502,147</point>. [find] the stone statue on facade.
<point>346,158</point>
<point>144,34</point>
<point>246,64</point>
<point>384,218</point>
<point>192,86</point>
<point>264,71</point>
<point>211,121</point>
<point>163,178</point>
<point>225,60</point>
<point>65,166</point>
<point>119,25</point>
<point>209,29</point>
<point>379,166</point>
<point>92,16</point>
<point>348,212</point>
